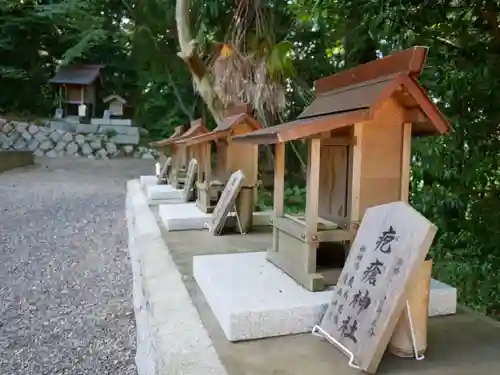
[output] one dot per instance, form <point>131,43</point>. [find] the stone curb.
<point>171,338</point>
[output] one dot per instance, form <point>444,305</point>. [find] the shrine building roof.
<point>234,117</point>
<point>353,96</point>
<point>77,75</point>
<point>164,142</point>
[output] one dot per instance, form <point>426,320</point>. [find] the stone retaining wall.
<point>45,141</point>
<point>14,159</point>
<point>171,339</point>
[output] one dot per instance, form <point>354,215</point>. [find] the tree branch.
<point>197,67</point>
<point>178,95</point>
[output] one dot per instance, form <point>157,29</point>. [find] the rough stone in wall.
<point>45,141</point>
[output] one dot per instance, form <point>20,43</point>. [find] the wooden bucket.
<point>401,343</point>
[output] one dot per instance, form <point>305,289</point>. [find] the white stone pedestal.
<point>252,299</point>
<point>163,192</point>
<point>185,216</point>
<point>188,216</point>
<point>148,180</point>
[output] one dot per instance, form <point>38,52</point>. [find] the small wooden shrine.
<point>359,131</point>
<point>186,153</point>
<point>79,86</point>
<point>116,105</point>
<point>175,153</point>
<point>229,158</point>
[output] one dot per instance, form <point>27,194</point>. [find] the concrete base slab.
<point>252,299</point>
<point>148,180</point>
<point>158,202</point>
<point>188,216</point>
<point>155,192</point>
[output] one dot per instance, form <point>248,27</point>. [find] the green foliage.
<point>110,133</point>
<point>280,63</point>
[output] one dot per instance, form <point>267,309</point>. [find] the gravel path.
<point>65,280</point>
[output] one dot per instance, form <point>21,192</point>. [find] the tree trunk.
<point>195,64</point>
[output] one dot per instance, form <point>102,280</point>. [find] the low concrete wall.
<point>14,159</point>
<point>171,338</point>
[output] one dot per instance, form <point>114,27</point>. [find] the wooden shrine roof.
<point>77,75</point>
<point>354,95</point>
<point>224,129</point>
<point>197,128</point>
<point>116,97</point>
<point>177,133</point>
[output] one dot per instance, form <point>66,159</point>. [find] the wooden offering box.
<point>186,153</point>
<point>359,130</point>
<point>230,157</point>
<point>175,153</point>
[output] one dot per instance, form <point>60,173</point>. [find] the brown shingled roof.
<point>354,95</point>
<point>164,142</point>
<point>197,128</point>
<point>77,75</point>
<point>224,129</point>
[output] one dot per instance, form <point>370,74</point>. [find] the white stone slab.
<point>188,216</point>
<point>262,218</point>
<point>252,299</point>
<point>148,180</point>
<point>126,139</point>
<point>114,122</point>
<point>158,202</point>
<point>155,192</point>
<point>184,216</point>
<point>443,299</point>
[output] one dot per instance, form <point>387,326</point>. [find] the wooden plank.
<point>382,157</point>
<point>293,228</point>
<point>338,141</point>
<point>390,246</point>
<point>333,186</point>
<point>226,202</point>
<point>165,171</point>
<point>189,184</point>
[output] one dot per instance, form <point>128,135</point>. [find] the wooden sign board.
<point>163,176</point>
<point>190,180</point>
<point>391,244</point>
<point>226,202</point>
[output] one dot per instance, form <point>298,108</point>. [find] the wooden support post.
<point>207,156</point>
<point>355,177</point>
<point>406,162</point>
<point>312,200</point>
<point>201,162</point>
<point>279,179</point>
<point>279,189</point>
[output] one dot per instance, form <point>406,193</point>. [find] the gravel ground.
<point>65,280</point>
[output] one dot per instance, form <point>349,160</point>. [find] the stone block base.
<point>252,299</point>
<point>166,192</point>
<point>148,181</point>
<point>188,216</point>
